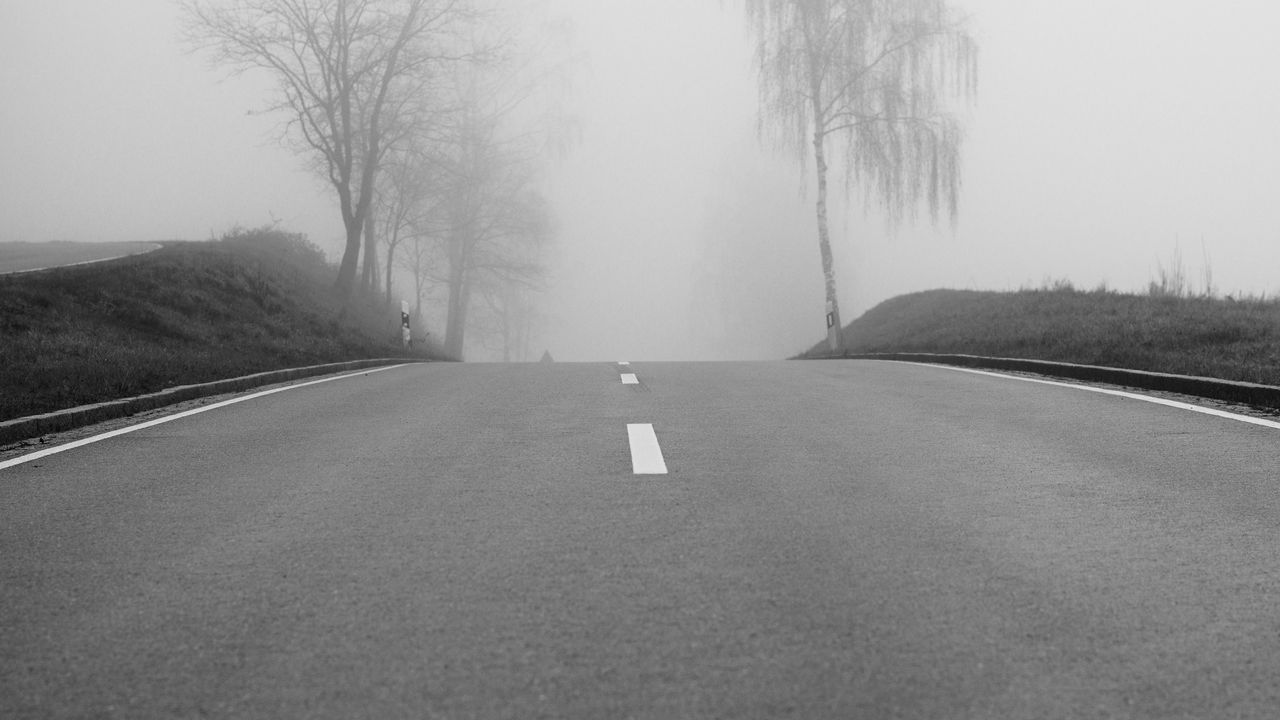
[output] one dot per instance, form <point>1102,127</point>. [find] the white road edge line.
<point>1120,393</point>
<point>168,418</point>
<point>630,379</point>
<point>646,454</point>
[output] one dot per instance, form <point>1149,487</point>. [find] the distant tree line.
<point>424,117</point>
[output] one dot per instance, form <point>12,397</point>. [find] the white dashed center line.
<point>646,455</point>
<point>630,379</point>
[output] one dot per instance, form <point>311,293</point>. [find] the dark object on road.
<point>546,357</point>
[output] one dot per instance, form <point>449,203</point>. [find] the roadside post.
<point>405,337</point>
<point>832,341</point>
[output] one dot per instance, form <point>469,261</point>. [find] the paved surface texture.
<point>838,539</point>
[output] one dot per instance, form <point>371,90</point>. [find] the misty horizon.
<point>1104,142</point>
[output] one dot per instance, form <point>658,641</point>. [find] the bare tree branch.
<point>346,71</point>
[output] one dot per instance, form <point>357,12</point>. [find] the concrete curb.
<point>35,425</point>
<point>1228,390</point>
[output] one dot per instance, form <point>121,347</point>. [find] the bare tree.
<point>508,317</point>
<point>350,73</point>
<point>419,255</point>
<point>403,204</point>
<point>872,77</point>
<point>497,222</point>
<point>470,217</point>
<point>493,146</point>
<point>369,265</point>
<point>461,189</point>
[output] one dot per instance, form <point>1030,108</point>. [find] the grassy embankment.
<point>187,313</point>
<point>1212,337</point>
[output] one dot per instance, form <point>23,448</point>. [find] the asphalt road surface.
<point>831,540</point>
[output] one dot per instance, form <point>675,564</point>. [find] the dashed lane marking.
<point>646,454</point>
<point>630,379</point>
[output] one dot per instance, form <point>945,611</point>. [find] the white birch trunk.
<point>835,341</point>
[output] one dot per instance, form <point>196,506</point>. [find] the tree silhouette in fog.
<point>868,81</point>
<point>351,75</point>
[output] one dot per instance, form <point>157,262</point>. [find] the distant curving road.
<point>831,540</point>
<point>21,257</point>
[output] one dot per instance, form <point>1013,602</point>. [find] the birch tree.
<point>869,82</point>
<point>343,69</point>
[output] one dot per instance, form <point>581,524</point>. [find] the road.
<point>831,540</point>
<point>21,257</point>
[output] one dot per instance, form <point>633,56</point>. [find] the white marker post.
<point>405,337</point>
<point>832,330</point>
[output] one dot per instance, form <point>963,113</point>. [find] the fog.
<point>1104,138</point>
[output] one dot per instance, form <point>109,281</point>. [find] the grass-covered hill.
<point>186,313</point>
<point>1213,337</point>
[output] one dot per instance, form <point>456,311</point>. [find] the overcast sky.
<point>1105,135</point>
